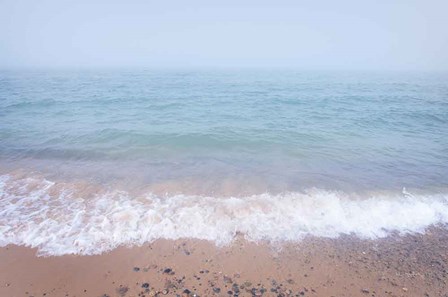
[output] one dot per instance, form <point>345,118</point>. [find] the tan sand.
<point>412,265</point>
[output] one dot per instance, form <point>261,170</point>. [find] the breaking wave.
<point>68,218</point>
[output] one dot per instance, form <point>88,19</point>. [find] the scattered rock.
<point>186,291</point>
<point>122,291</point>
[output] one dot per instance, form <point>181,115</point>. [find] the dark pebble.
<point>145,285</point>
<point>122,291</point>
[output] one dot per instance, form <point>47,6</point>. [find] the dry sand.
<point>411,265</point>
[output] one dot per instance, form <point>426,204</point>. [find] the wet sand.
<point>411,265</point>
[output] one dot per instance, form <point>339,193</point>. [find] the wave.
<point>76,218</point>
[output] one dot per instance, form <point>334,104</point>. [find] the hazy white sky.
<point>382,34</point>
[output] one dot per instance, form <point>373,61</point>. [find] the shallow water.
<point>282,143</point>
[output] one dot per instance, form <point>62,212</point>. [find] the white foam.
<point>57,220</point>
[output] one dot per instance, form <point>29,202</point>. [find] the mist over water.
<point>105,158</point>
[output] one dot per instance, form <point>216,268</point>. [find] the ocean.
<point>95,159</point>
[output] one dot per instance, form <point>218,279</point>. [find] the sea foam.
<point>59,218</point>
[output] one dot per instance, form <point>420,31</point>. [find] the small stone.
<point>136,269</point>
<point>216,290</point>
<point>164,292</point>
<point>122,291</point>
<point>405,289</point>
<point>145,285</point>
<point>186,291</point>
<point>365,291</point>
<point>167,270</point>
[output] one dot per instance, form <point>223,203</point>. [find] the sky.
<point>382,34</point>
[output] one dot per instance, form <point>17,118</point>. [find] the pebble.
<point>186,291</point>
<point>122,291</point>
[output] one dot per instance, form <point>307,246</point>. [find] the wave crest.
<point>62,218</point>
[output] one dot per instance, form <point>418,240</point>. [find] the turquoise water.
<point>288,129</point>
<point>95,159</point>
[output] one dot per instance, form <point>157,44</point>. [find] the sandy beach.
<point>410,265</point>
<point>223,148</point>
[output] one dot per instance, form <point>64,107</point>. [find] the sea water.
<point>94,159</point>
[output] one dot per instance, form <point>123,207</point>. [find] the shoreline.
<point>408,265</point>
<point>86,218</point>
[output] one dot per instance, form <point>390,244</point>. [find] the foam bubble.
<point>60,219</point>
